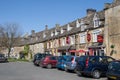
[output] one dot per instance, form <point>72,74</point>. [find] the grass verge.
<point>15,60</point>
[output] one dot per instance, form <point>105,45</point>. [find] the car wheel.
<point>109,79</point>
<point>78,73</point>
<point>75,70</point>
<point>49,66</point>
<point>96,74</point>
<point>66,69</point>
<point>41,66</point>
<point>58,68</point>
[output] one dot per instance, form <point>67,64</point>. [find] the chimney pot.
<point>32,31</point>
<point>107,5</point>
<point>90,11</point>
<point>46,27</point>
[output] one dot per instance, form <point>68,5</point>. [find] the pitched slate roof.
<point>88,20</point>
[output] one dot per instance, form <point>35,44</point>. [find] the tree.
<point>9,36</point>
<point>26,49</point>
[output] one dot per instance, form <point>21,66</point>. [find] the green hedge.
<point>15,60</point>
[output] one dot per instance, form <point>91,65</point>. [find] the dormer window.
<point>96,23</point>
<point>68,27</point>
<point>56,33</point>
<point>52,34</point>
<point>44,35</point>
<point>82,24</point>
<point>96,20</point>
<point>61,30</point>
<point>77,24</point>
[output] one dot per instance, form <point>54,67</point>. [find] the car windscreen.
<point>1,55</point>
<point>69,58</point>
<point>38,56</point>
<point>115,65</point>
<point>61,58</point>
<point>82,58</point>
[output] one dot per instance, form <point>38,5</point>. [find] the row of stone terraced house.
<point>98,33</point>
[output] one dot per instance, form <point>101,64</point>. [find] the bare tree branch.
<point>9,36</point>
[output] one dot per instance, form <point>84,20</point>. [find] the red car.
<point>49,62</point>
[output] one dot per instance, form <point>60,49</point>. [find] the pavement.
<point>27,71</point>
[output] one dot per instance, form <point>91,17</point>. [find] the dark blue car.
<point>61,64</point>
<point>94,66</point>
<point>113,72</point>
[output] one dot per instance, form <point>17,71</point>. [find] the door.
<point>103,64</point>
<point>53,61</point>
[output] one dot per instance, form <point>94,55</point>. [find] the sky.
<point>35,14</point>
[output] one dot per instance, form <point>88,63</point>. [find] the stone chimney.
<point>46,27</point>
<point>116,2</point>
<point>32,31</point>
<point>57,26</point>
<point>90,11</point>
<point>107,6</point>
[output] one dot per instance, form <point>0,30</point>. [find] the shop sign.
<point>68,40</point>
<point>99,38</point>
<point>88,37</point>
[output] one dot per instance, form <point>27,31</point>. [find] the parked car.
<point>94,66</point>
<point>71,64</point>
<point>3,58</point>
<point>38,57</point>
<point>62,61</point>
<point>48,62</point>
<point>113,72</point>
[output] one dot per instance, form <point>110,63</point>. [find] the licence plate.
<point>112,77</point>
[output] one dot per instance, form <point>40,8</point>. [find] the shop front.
<point>96,50</point>
<point>77,52</point>
<point>64,50</point>
<point>98,47</point>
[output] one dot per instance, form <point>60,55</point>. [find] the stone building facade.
<point>72,38</point>
<point>95,34</point>
<point>112,29</point>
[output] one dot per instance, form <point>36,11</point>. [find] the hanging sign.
<point>99,38</point>
<point>88,37</point>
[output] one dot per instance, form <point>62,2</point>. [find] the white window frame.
<point>61,31</point>
<point>82,38</point>
<point>72,39</point>
<point>77,24</point>
<point>68,27</point>
<point>44,35</point>
<point>96,21</point>
<point>47,45</point>
<point>51,33</point>
<point>56,33</point>
<point>82,25</point>
<point>63,41</point>
<point>94,35</point>
<point>51,46</point>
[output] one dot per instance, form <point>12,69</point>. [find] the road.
<point>27,71</point>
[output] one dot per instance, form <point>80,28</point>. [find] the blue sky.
<point>35,14</point>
